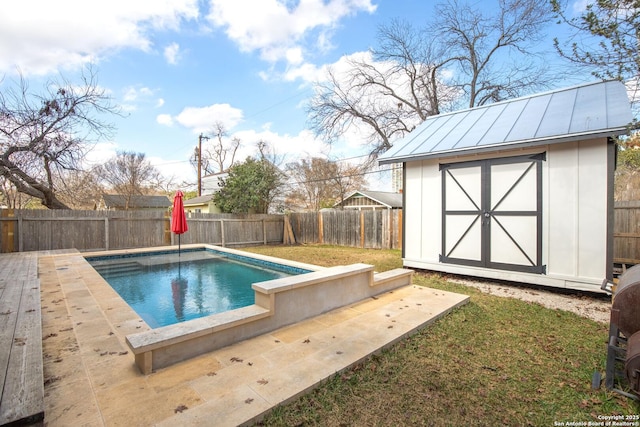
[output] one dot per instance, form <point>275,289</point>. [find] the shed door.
<point>492,213</point>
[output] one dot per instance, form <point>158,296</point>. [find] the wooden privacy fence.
<point>376,229</point>
<point>626,232</point>
<point>35,230</point>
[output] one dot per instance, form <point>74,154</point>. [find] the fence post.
<point>362,229</point>
<point>264,232</point>
<point>106,233</point>
<point>20,236</point>
<point>222,231</point>
<point>400,231</point>
<point>389,242</point>
<point>167,229</point>
<point>8,230</point>
<point>320,229</point>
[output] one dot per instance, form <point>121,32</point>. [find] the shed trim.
<point>518,145</point>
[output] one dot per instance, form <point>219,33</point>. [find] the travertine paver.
<point>91,378</point>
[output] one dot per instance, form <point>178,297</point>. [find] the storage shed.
<point>520,190</point>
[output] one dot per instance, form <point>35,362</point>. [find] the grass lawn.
<point>495,361</point>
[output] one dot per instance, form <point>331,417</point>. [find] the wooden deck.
<point>21,373</point>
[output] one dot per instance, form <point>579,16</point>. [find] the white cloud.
<point>100,152</point>
<point>310,73</point>
<point>275,27</point>
<point>580,6</point>
<point>136,95</point>
<point>306,72</point>
<point>202,119</point>
<point>132,93</point>
<point>179,171</point>
<point>357,136</point>
<point>171,53</point>
<point>49,35</point>
<point>294,55</point>
<point>164,119</point>
<point>291,147</point>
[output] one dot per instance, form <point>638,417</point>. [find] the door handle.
<point>487,218</point>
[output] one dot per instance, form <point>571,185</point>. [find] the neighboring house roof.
<point>136,202</point>
<point>388,199</point>
<point>202,200</point>
<point>587,111</point>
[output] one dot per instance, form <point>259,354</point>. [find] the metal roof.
<point>135,202</point>
<point>586,111</point>
<point>199,200</point>
<point>385,198</point>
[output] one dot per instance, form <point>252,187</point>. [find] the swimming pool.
<point>278,302</point>
<point>169,288</point>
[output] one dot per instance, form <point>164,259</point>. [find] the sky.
<point>176,67</point>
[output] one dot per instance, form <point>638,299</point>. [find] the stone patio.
<point>91,378</point>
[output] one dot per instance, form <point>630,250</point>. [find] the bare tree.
<point>493,55</point>
<point>349,179</point>
<point>130,174</point>
<point>11,198</point>
<point>80,189</point>
<point>220,154</point>
<point>268,152</point>
<point>464,57</point>
<point>205,165</point>
<point>44,134</point>
<point>387,92</point>
<point>221,149</point>
<point>320,183</point>
<point>314,187</point>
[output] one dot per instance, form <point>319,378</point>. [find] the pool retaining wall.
<point>278,303</point>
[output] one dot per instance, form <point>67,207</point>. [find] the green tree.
<point>627,176</point>
<point>605,38</point>
<point>250,187</point>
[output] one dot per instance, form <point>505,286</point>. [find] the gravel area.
<point>593,307</point>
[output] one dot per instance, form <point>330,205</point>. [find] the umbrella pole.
<point>178,245</point>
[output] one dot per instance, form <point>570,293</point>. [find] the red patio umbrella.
<point>178,217</point>
<point>179,294</point>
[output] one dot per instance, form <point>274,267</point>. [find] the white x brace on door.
<point>492,213</point>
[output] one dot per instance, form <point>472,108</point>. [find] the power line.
<point>343,176</point>
<point>370,172</point>
<point>278,103</point>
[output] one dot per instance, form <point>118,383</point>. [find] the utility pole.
<point>200,138</point>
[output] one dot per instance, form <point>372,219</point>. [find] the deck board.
<point>21,366</point>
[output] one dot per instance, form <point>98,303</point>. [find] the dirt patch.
<point>591,307</point>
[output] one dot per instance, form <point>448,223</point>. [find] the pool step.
<point>118,269</point>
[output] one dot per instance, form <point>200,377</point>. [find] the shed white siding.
<point>520,190</point>
<point>575,179</point>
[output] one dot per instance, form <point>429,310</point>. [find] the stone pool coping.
<point>91,377</point>
<point>278,303</point>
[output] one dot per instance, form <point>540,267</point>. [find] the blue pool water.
<point>165,289</point>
